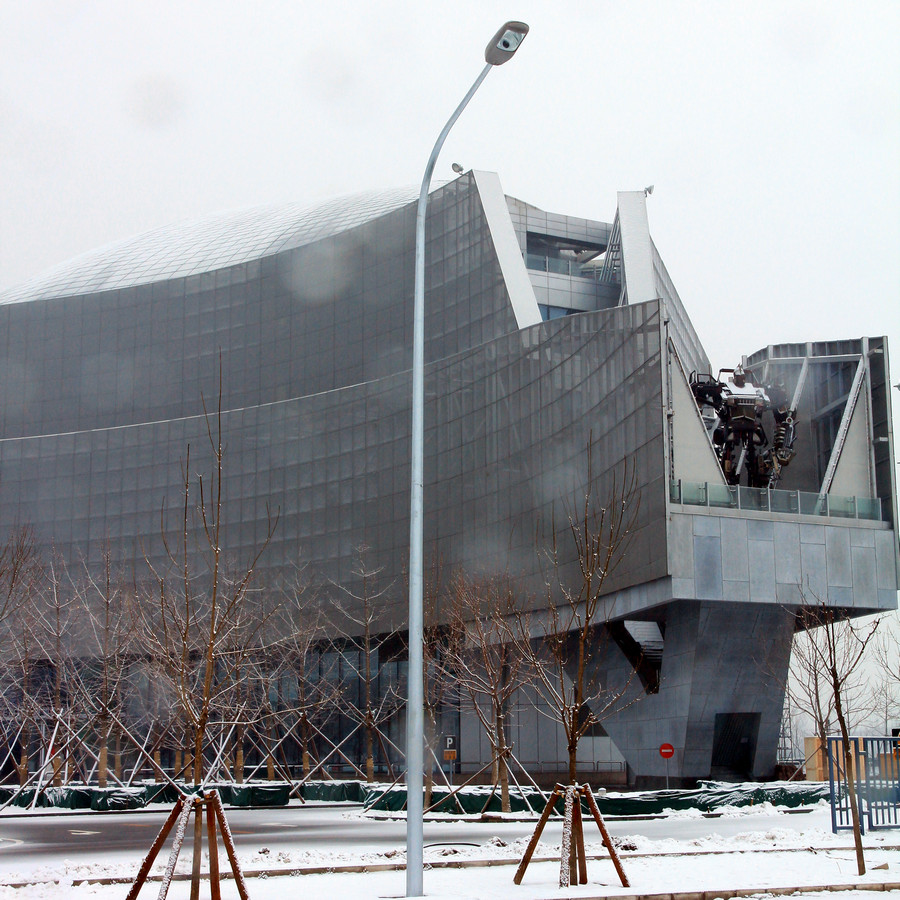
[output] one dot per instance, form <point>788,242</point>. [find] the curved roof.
<point>203,245</point>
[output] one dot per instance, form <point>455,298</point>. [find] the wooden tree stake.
<point>566,861</point>
<point>150,858</point>
<point>215,816</point>
<point>572,856</point>
<point>578,847</point>
<point>607,840</point>
<point>213,842</point>
<point>529,851</point>
<point>229,845</point>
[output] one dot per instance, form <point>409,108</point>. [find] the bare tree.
<point>21,582</point>
<point>488,658</point>
<point>20,701</point>
<point>20,571</point>
<point>361,652</point>
<point>885,704</point>
<point>106,611</point>
<point>887,651</point>
<point>440,640</point>
<point>568,653</point>
<point>55,618</point>
<point>837,649</point>
<point>810,686</point>
<point>304,699</point>
<point>202,621</point>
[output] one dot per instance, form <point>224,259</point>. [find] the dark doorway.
<point>734,745</point>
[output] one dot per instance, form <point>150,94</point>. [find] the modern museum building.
<point>759,487</point>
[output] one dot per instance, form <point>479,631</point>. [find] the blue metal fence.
<point>875,769</point>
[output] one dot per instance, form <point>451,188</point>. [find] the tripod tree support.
<point>178,818</point>
<point>572,857</point>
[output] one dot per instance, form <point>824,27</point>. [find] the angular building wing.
<point>544,333</point>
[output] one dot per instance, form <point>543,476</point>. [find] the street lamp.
<point>502,46</point>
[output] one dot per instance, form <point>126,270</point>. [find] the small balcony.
<point>803,503</point>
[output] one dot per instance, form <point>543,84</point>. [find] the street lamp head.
<point>504,43</point>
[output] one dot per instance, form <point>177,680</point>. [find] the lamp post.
<point>502,46</point>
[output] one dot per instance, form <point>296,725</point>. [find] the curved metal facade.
<point>103,396</point>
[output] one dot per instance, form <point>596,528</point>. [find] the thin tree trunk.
<point>501,765</point>
<point>57,765</point>
<point>239,755</point>
<point>23,763</point>
<point>198,756</point>
<point>572,745</point>
<point>118,756</point>
<point>270,761</point>
<point>102,765</point>
<point>103,761</point>
<point>429,762</point>
<point>370,751</point>
<point>849,771</point>
<point>504,782</point>
<point>157,758</point>
<point>304,744</point>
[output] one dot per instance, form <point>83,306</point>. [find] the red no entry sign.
<point>666,751</point>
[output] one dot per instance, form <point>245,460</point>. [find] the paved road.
<point>86,837</point>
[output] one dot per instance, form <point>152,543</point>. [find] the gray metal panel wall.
<point>321,317</point>
<point>314,347</point>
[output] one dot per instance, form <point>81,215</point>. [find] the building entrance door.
<point>734,745</point>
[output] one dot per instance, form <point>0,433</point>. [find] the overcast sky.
<point>771,131</point>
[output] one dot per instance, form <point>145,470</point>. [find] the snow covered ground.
<point>764,854</point>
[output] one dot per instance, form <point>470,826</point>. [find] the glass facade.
<point>105,391</point>
<point>208,244</point>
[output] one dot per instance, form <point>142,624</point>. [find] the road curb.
<point>754,892</point>
<point>164,809</point>
<point>366,868</point>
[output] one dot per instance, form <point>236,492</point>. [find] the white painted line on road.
<point>84,832</point>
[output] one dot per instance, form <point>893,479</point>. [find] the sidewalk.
<point>687,875</point>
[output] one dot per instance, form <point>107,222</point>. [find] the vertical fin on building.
<point>645,277</point>
<point>681,330</point>
<point>509,254</point>
<point>853,475</point>
<point>638,282</point>
<point>692,453</point>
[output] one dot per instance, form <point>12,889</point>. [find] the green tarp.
<point>24,799</point>
<point>710,796</point>
<point>335,791</point>
<point>66,797</point>
<point>115,798</point>
<point>707,798</point>
<point>468,801</point>
<point>163,792</point>
<point>269,794</point>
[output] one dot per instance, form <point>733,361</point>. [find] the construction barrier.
<point>472,800</point>
<point>711,795</point>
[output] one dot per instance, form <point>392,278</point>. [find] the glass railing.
<point>558,266</point>
<point>804,503</point>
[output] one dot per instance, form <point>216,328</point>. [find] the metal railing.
<point>804,503</point>
<point>559,266</point>
<point>875,769</point>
